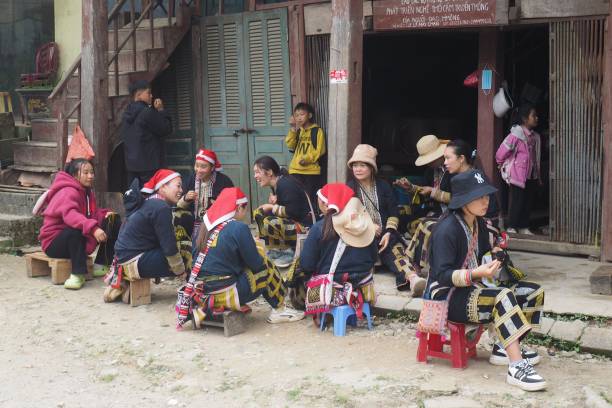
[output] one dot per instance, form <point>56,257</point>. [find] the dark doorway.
<point>413,86</point>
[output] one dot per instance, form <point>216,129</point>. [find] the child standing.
<point>307,142</point>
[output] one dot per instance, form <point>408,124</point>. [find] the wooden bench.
<point>138,293</point>
<point>39,264</point>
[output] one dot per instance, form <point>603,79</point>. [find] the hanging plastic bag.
<point>471,81</point>
<point>79,146</point>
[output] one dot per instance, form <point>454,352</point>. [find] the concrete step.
<point>143,38</point>
<point>45,130</point>
<point>35,154</point>
<point>18,201</point>
<point>22,229</point>
<point>6,243</point>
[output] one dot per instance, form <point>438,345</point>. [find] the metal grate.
<point>576,131</point>
<point>317,56</point>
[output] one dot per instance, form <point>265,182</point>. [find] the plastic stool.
<point>343,315</point>
<point>432,345</point>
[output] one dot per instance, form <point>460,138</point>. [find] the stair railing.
<point>61,89</point>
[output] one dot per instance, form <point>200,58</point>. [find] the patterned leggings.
<point>249,286</point>
<point>418,248</point>
<point>514,311</point>
<point>394,258</point>
<point>277,232</point>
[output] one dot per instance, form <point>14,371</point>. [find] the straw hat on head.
<point>430,149</point>
<point>366,154</point>
<point>354,225</point>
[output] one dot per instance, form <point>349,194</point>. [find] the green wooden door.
<point>247,93</point>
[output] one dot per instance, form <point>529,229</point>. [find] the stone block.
<point>568,331</point>
<point>390,303</point>
<point>597,339</point>
<point>545,326</point>
<point>601,280</point>
<point>414,306</point>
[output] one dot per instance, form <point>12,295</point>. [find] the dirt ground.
<point>60,348</point>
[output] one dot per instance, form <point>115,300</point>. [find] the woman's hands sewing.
<point>487,270</point>
<point>190,196</point>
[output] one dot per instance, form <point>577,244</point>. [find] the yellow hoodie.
<point>300,142</point>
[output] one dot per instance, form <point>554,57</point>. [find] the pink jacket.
<point>515,149</point>
<point>66,206</point>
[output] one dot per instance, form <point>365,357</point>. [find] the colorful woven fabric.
<point>277,232</point>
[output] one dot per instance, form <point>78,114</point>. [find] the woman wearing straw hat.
<point>377,197</point>
<point>459,242</point>
<point>431,154</point>
<point>346,233</point>
<point>230,270</point>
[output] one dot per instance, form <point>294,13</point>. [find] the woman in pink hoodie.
<point>72,224</point>
<point>519,160</point>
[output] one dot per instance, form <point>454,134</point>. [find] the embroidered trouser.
<point>277,232</point>
<point>250,285</point>
<point>394,258</point>
<point>418,248</point>
<point>514,311</point>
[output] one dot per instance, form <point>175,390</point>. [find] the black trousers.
<point>143,176</point>
<point>520,204</point>
<point>311,183</point>
<point>70,243</point>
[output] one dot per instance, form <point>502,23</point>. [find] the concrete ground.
<point>66,349</point>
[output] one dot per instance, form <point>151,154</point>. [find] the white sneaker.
<point>285,315</point>
<point>524,376</point>
<point>499,356</point>
<point>525,231</point>
<point>511,230</point>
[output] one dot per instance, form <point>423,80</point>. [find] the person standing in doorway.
<point>519,160</point>
<point>143,127</point>
<point>307,142</point>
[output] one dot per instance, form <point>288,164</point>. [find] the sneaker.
<point>525,231</point>
<point>499,356</point>
<point>285,315</point>
<point>524,376</point>
<point>100,270</point>
<point>285,259</point>
<point>511,230</point>
<point>418,286</point>
<point>74,282</point>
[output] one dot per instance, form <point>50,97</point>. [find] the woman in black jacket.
<point>459,241</point>
<point>377,197</point>
<point>203,186</point>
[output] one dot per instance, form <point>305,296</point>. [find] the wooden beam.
<point>489,132</point>
<point>606,226</point>
<point>94,85</point>
<point>297,60</point>
<point>346,53</point>
<point>563,8</point>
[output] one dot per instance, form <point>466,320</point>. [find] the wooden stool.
<point>232,322</point>
<point>39,264</point>
<point>462,349</point>
<point>138,292</point>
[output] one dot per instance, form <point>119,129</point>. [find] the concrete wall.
<point>68,31</point>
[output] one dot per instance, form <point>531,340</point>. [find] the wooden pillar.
<point>297,51</point>
<point>606,226</point>
<point>346,53</point>
<point>490,131</point>
<point>94,85</point>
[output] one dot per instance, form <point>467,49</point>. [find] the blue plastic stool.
<point>343,315</point>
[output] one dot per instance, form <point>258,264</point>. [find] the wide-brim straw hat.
<point>430,149</point>
<point>354,225</point>
<point>467,187</point>
<point>366,154</point>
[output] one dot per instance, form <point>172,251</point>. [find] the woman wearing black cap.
<point>459,241</point>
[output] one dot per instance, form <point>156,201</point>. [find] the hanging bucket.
<point>502,103</point>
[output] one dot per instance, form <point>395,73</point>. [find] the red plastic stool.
<point>432,345</point>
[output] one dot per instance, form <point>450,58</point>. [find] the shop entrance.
<point>413,86</point>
